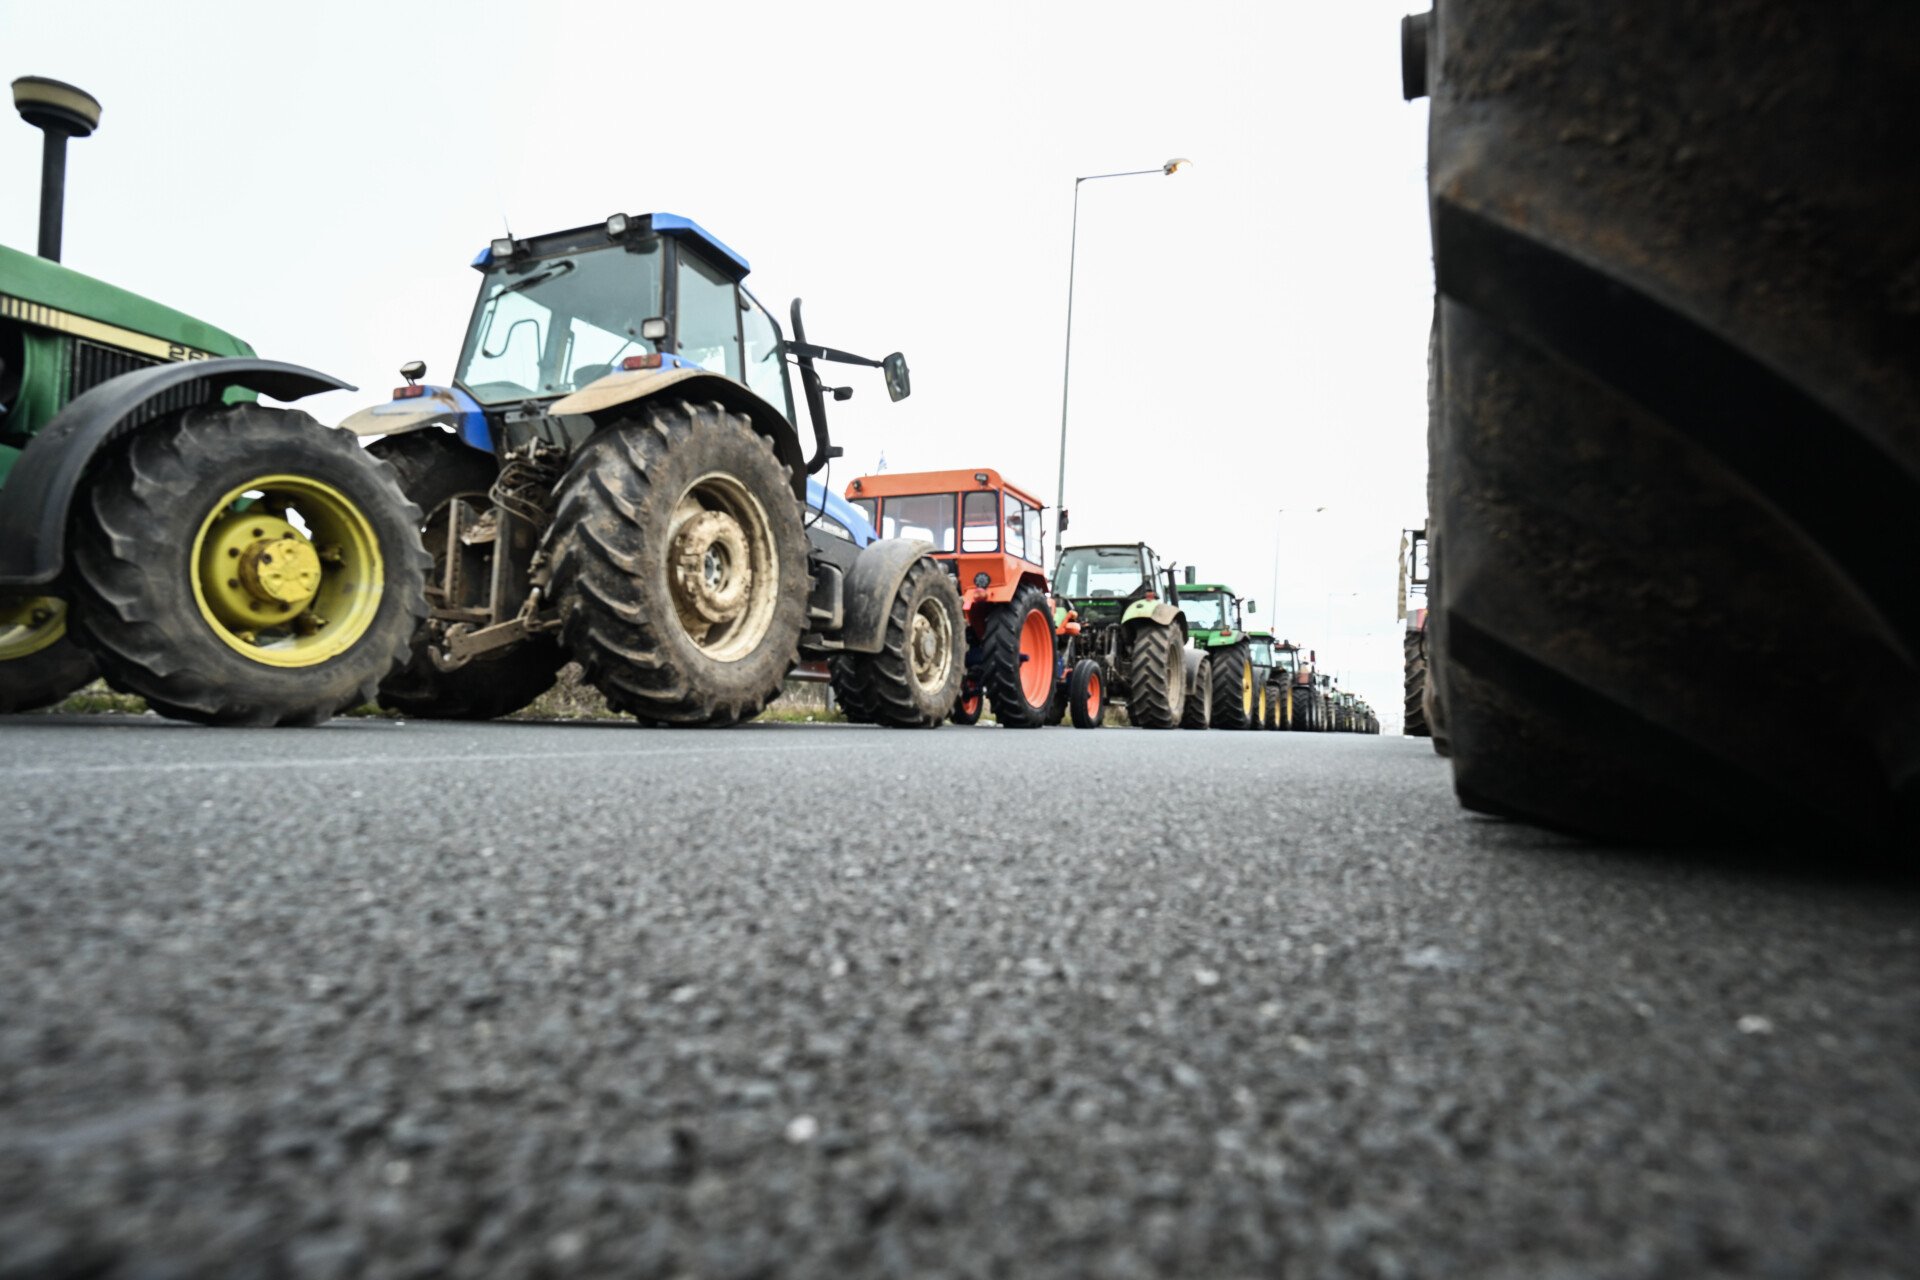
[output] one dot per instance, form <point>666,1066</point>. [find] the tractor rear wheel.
<point>1302,708</point>
<point>39,662</point>
<point>914,681</point>
<point>1232,687</point>
<point>1156,676</point>
<point>1416,667</point>
<point>967,707</point>
<point>1199,708</point>
<point>679,564</point>
<point>435,469</point>
<point>1258,720</point>
<point>1087,694</point>
<point>1678,312</point>
<point>244,565</point>
<point>1016,659</point>
<point>1270,718</point>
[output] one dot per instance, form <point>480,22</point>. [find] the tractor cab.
<point>1213,613</point>
<point>1101,581</point>
<point>986,531</point>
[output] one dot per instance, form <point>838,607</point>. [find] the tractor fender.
<point>871,587</point>
<point>447,407</point>
<point>606,399</point>
<point>41,488</point>
<point>1155,610</point>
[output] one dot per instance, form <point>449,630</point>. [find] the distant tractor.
<point>227,562</point>
<point>1270,678</point>
<point>1413,583</point>
<point>1305,709</point>
<point>1130,623</point>
<point>614,476</point>
<point>986,533</point>
<point>1214,624</point>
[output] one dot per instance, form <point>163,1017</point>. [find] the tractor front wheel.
<point>914,681</point>
<point>39,663</point>
<point>1156,676</point>
<point>1199,708</point>
<point>1016,660</point>
<point>435,471</point>
<point>680,565</point>
<point>967,707</point>
<point>245,565</point>
<point>1087,694</point>
<point>1232,687</point>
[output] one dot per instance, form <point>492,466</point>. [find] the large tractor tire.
<point>914,681</point>
<point>1274,696</point>
<point>1306,716</point>
<point>679,564</point>
<point>1016,660</point>
<point>1199,708</point>
<point>1677,416</point>
<point>1087,694</point>
<point>39,662</point>
<point>1416,674</point>
<point>1233,700</point>
<point>243,565</point>
<point>1156,675</point>
<point>435,468</point>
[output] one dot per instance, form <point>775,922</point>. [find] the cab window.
<point>979,521</point>
<point>928,516</point>
<point>1016,528</point>
<point>709,317</point>
<point>869,509</point>
<point>766,372</point>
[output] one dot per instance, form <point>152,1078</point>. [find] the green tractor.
<point>1214,623</point>
<point>1270,677</point>
<point>228,562</point>
<point>1112,610</point>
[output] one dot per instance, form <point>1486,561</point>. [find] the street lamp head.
<point>1174,166</point>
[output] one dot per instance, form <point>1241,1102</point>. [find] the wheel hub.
<point>29,624</point>
<point>930,646</point>
<point>712,572</point>
<point>259,571</point>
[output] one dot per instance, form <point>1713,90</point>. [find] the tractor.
<point>1113,613</point>
<point>1269,678</point>
<point>613,476</point>
<point>986,533</point>
<point>228,562</point>
<point>1214,622</point>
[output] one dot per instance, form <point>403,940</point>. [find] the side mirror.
<point>1253,606</point>
<point>899,386</point>
<point>413,370</point>
<point>844,393</point>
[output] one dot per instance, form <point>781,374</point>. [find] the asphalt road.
<point>415,1000</point>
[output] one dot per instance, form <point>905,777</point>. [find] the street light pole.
<point>1168,169</point>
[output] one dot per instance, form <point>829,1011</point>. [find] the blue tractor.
<point>614,476</point>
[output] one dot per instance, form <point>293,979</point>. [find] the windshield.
<point>1099,573</point>
<point>1263,653</point>
<point>928,516</point>
<point>1287,659</point>
<point>560,323</point>
<point>1205,612</point>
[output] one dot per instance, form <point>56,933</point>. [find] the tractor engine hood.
<point>36,291</point>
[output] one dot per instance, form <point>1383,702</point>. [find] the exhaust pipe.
<point>60,111</point>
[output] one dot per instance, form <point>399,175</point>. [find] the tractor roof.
<point>893,484</point>
<point>596,235</point>
<point>1205,586</point>
<point>1256,634</point>
<point>42,292</point>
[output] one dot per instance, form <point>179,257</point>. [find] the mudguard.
<point>448,407</point>
<point>1157,610</point>
<point>603,399</point>
<point>40,490</point>
<point>875,580</point>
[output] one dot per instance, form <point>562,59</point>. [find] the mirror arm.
<point>807,352</point>
<point>804,355</point>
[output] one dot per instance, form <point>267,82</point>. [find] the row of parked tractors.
<point>614,475</point>
<point>1115,625</point>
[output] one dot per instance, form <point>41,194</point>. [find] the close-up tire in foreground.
<point>914,681</point>
<point>1087,694</point>
<point>1156,675</point>
<point>1677,433</point>
<point>1016,660</point>
<point>680,566</point>
<point>435,470</point>
<point>39,662</point>
<point>244,565</point>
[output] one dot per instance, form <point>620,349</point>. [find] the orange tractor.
<point>986,533</point>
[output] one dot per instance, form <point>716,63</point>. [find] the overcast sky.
<point>1250,334</point>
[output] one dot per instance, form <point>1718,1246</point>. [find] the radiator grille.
<point>93,364</point>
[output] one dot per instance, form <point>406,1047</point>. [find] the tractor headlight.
<point>617,226</point>
<point>981,580</point>
<point>502,249</point>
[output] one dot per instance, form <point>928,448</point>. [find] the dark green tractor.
<point>1121,609</point>
<point>228,562</point>
<point>1214,623</point>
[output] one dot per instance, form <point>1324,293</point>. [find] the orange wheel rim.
<point>1093,698</point>
<point>1036,658</point>
<point>970,704</point>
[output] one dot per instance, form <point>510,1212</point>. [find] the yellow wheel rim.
<point>1246,690</point>
<point>286,570</point>
<point>29,625</point>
